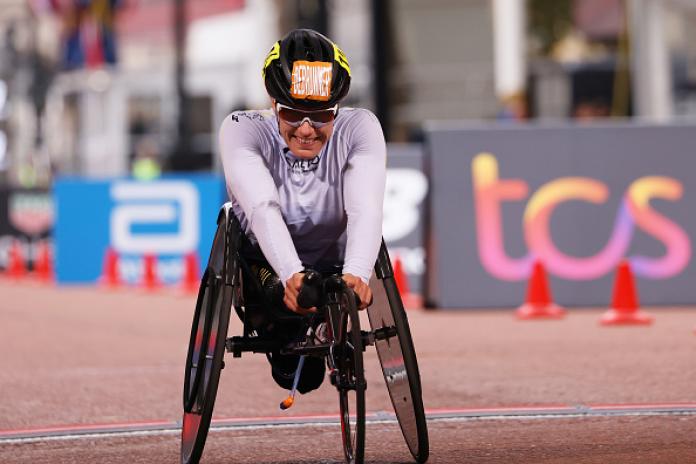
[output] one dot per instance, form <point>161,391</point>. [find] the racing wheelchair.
<point>342,346</point>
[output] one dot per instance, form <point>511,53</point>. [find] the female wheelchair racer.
<point>306,185</point>
<point>223,285</point>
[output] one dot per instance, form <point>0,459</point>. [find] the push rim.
<point>196,421</point>
<point>200,334</point>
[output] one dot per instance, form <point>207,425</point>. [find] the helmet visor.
<point>316,119</point>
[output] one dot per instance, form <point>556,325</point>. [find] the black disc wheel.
<point>204,359</point>
<point>400,368</point>
<point>350,379</point>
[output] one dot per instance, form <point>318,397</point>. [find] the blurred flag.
<point>89,31</point>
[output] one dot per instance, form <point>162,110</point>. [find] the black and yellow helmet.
<point>307,71</point>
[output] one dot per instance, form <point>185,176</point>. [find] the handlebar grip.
<point>313,287</point>
<point>336,283</point>
<point>309,295</point>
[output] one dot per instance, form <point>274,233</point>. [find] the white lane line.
<point>380,417</point>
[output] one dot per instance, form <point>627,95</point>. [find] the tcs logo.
<point>160,217</point>
<point>635,211</point>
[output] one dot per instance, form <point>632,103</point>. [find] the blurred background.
<point>94,92</point>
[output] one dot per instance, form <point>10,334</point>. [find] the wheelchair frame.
<point>221,289</point>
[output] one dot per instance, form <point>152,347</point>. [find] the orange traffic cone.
<point>400,277</point>
<point>191,278</point>
<point>43,265</point>
<point>16,266</point>
<point>150,281</point>
<point>110,277</point>
<point>409,300</point>
<point>539,303</point>
<point>624,304</point>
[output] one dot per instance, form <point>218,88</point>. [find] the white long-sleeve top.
<point>321,212</point>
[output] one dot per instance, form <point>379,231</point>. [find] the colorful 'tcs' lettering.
<point>635,210</point>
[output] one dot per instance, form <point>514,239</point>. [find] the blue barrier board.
<point>168,218</point>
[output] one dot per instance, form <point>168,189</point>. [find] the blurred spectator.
<point>146,164</point>
<point>514,108</point>
<point>591,109</point>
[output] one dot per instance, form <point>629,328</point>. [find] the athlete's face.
<point>306,140</point>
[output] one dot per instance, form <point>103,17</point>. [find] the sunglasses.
<point>316,119</point>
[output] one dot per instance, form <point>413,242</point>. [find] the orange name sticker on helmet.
<point>311,80</point>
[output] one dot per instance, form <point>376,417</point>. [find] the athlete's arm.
<point>249,181</point>
<point>364,182</point>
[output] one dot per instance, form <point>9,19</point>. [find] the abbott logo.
<point>158,205</point>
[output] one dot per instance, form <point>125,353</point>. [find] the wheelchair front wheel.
<point>350,379</point>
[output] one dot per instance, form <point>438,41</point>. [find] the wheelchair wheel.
<point>203,365</point>
<point>204,359</point>
<point>350,379</point>
<point>399,364</point>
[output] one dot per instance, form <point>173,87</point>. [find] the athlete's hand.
<point>292,289</point>
<point>361,289</point>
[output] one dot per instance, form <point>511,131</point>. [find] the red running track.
<point>96,359</point>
